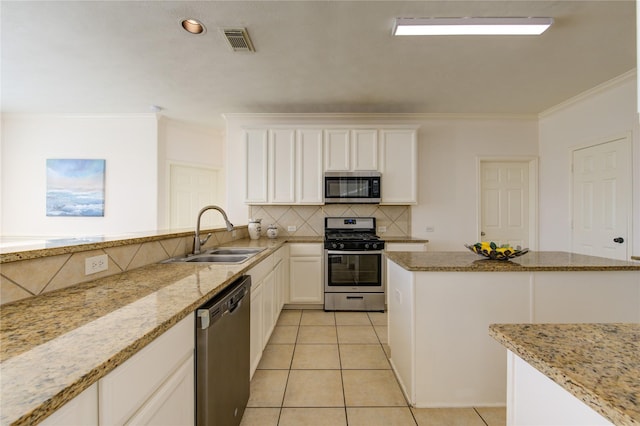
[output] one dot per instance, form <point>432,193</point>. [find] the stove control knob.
<point>366,245</point>
<point>334,245</point>
<point>341,245</point>
<point>375,246</point>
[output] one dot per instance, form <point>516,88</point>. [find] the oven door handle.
<point>344,252</point>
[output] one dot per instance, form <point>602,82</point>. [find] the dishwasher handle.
<point>226,303</point>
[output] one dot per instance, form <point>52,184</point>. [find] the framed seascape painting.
<point>75,187</point>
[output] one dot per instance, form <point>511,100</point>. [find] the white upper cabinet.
<point>283,166</point>
<point>309,172</point>
<point>281,170</point>
<point>399,166</point>
<point>286,165</point>
<point>256,143</point>
<point>337,150</point>
<point>270,166</point>
<point>351,150</point>
<point>364,149</point>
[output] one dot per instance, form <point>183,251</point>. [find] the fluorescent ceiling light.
<point>471,26</point>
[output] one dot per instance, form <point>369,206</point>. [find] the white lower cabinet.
<point>255,342</point>
<point>269,306</point>
<point>156,383</point>
<point>533,399</point>
<point>267,299</point>
<point>305,273</point>
<point>81,410</point>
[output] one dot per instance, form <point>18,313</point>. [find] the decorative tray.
<point>493,251</point>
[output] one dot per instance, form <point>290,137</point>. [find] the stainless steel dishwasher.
<point>222,356</point>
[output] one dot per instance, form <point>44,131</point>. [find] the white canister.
<point>272,231</point>
<point>255,228</point>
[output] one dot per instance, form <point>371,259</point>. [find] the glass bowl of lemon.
<point>491,250</point>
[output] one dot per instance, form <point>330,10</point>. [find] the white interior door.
<point>504,202</point>
<point>601,199</point>
<point>192,188</point>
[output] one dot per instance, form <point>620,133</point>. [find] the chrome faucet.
<point>198,243</point>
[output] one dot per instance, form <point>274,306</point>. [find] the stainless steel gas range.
<point>354,265</point>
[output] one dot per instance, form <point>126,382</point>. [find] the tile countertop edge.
<point>613,412</point>
<point>46,404</point>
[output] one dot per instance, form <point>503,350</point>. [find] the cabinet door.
<point>364,149</point>
<point>173,403</point>
<point>281,173</point>
<point>309,172</point>
<point>268,307</point>
<point>305,277</point>
<point>399,166</point>
<point>336,150</point>
<point>256,166</point>
<point>81,410</point>
<point>123,391</point>
<point>255,344</point>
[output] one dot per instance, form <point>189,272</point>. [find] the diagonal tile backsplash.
<point>309,220</point>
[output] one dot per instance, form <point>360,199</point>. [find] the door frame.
<point>628,137</point>
<point>533,194</point>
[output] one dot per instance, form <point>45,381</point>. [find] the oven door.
<point>354,271</point>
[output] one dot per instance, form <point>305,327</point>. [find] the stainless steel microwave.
<point>352,187</point>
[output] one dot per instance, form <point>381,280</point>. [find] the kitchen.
<point>447,175</point>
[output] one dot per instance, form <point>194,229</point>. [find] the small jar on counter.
<point>272,231</point>
<point>254,227</point>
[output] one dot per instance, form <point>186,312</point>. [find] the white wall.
<point>607,111</point>
<point>448,150</point>
<point>128,143</point>
<point>191,145</point>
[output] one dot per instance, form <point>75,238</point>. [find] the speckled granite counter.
<point>597,363</point>
<point>56,345</point>
<point>532,261</point>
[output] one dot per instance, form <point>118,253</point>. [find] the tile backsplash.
<point>32,277</point>
<point>309,220</point>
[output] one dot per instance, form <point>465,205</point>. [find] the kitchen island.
<point>574,374</point>
<point>441,304</point>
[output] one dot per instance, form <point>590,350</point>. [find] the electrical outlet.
<point>430,229</point>
<point>96,264</point>
<point>291,228</point>
<point>382,229</point>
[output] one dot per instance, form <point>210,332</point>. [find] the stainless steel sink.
<point>232,255</point>
<point>235,250</point>
<point>220,258</point>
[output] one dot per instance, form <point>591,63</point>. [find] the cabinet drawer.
<point>123,391</point>
<point>305,249</point>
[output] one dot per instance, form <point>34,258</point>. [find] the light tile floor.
<point>326,368</point>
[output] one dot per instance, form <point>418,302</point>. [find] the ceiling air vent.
<point>238,39</point>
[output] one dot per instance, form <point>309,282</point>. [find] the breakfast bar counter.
<point>597,364</point>
<point>461,261</point>
<point>54,346</point>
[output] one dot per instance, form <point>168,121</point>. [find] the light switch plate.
<point>291,228</point>
<point>96,264</point>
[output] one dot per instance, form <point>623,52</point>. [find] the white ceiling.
<point>312,57</point>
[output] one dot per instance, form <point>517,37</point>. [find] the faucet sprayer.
<point>198,243</point>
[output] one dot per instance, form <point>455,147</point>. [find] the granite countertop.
<point>54,346</point>
<point>461,261</point>
<point>597,363</point>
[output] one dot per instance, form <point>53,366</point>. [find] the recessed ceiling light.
<point>471,26</point>
<point>193,26</point>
